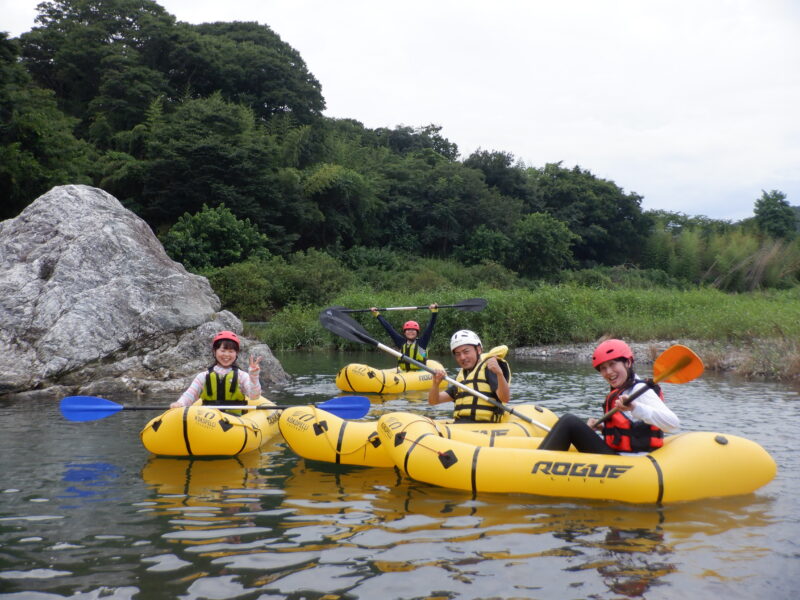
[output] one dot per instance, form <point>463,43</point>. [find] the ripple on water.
<point>208,534</point>
<point>34,574</point>
<point>32,518</point>
<point>332,578</point>
<point>229,547</point>
<point>268,561</point>
<point>165,562</point>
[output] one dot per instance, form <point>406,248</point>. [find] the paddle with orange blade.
<point>677,364</point>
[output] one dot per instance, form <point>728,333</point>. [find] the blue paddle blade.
<point>87,408</point>
<point>92,408</point>
<point>347,407</point>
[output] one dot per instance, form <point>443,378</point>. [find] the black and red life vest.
<point>623,434</point>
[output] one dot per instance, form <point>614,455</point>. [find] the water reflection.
<point>89,482</point>
<point>90,514</point>
<point>354,530</point>
<point>203,479</point>
<point>210,501</point>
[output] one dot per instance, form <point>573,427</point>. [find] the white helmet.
<point>464,336</point>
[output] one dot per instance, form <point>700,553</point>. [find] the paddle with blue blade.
<point>92,408</point>
<point>343,325</point>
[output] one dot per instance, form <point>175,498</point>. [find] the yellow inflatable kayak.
<point>200,431</point>
<point>318,435</point>
<point>362,379</point>
<point>689,466</point>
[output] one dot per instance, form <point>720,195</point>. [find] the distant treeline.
<point>214,134</point>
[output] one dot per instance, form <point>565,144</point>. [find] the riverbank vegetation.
<point>287,211</point>
<point>755,333</point>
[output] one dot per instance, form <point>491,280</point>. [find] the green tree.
<point>404,140</point>
<point>213,237</point>
<point>257,288</point>
<point>502,173</point>
<point>78,42</point>
<point>689,252</point>
<point>483,245</point>
<point>209,151</point>
<point>659,251</point>
<point>250,64</point>
<point>107,59</point>
<point>434,205</point>
<point>609,222</point>
<point>127,89</point>
<point>345,207</point>
<point>541,246</point>
<point>37,147</point>
<point>774,216</point>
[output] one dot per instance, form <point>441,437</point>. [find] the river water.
<point>87,513</point>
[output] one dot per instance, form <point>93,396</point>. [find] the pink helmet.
<point>609,350</point>
<point>411,325</point>
<point>226,335</point>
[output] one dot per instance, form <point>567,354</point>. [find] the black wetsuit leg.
<point>570,429</point>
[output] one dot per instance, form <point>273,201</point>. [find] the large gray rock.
<point>90,303</point>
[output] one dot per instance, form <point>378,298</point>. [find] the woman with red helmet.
<point>222,382</point>
<point>411,343</point>
<point>636,427</point>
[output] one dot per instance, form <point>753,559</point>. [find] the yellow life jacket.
<point>223,390</point>
<point>474,409</point>
<point>415,351</point>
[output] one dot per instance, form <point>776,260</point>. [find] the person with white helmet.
<point>636,427</point>
<point>485,374</point>
<point>410,343</point>
<point>223,382</point>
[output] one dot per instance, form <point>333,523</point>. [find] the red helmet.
<point>609,350</point>
<point>225,335</point>
<point>411,325</point>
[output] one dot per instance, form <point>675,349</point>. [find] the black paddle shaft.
<point>471,305</point>
<point>342,325</point>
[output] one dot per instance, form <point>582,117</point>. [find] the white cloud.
<point>690,103</point>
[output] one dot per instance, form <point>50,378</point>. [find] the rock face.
<point>90,303</point>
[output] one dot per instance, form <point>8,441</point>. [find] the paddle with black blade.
<point>677,364</point>
<point>470,305</point>
<point>334,321</point>
<point>92,408</point>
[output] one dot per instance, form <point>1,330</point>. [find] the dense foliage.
<point>214,134</point>
<point>214,237</point>
<point>766,324</point>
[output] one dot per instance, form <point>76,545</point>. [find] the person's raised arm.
<point>425,338</point>
<point>503,391</point>
<point>435,396</point>
<point>397,339</point>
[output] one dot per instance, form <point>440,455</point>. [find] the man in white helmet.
<point>487,375</point>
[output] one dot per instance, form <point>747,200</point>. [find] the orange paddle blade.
<point>677,364</point>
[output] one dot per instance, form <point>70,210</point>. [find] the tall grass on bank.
<point>560,314</point>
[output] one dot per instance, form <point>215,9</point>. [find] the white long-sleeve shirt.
<point>651,409</point>
<point>250,386</point>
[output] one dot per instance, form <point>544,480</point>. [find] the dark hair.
<point>227,344</point>
<point>629,381</point>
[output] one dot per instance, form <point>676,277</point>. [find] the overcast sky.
<point>693,104</point>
